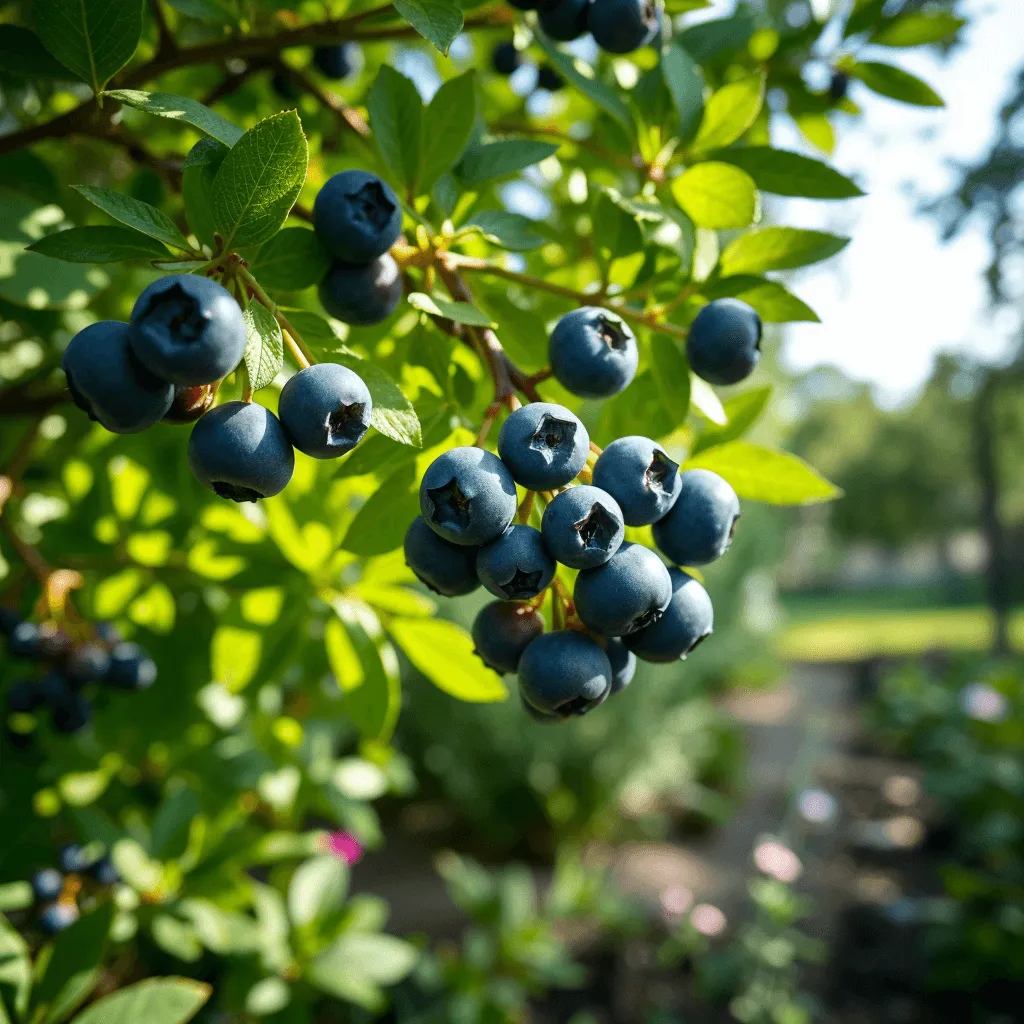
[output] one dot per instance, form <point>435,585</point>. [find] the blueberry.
<point>54,643</point>
<point>582,527</point>
<point>240,451</point>
<point>104,872</point>
<point>445,568</point>
<point>688,619</point>
<point>362,294</point>
<point>700,525</point>
<point>593,352</point>
<point>564,673</point>
<point>544,446</point>
<point>58,917</point>
<point>325,410</point>
<point>838,86</point>
<point>23,641</point>
<point>24,696</point>
<point>724,342</point>
<point>190,403</point>
<point>109,383</point>
<point>516,566</point>
<point>47,885</point>
<point>548,78</point>
<point>187,329</point>
<point>131,668</point>
<point>623,663</point>
<point>468,496</point>
<point>631,590</point>
<point>107,633</point>
<point>72,715</point>
<point>566,20</point>
<point>640,476</point>
<point>502,630</point>
<point>285,87</point>
<point>356,216</point>
<point>621,26</point>
<point>73,859</point>
<point>86,664</point>
<point>55,689</point>
<point>506,58</point>
<point>335,62</point>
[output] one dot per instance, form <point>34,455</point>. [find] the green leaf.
<point>708,39</point>
<point>743,412</point>
<point>686,87</point>
<point>774,303</point>
<point>74,968</point>
<point>17,896</point>
<point>317,332</point>
<point>264,346</point>
<point>896,83</point>
<point>135,214</point>
<point>447,128</point>
<point>99,244</point>
<point>672,377</point>
<point>292,260</point>
<point>154,1001</point>
<point>729,113</point>
<point>616,231</point>
<point>380,525</point>
<point>317,889</point>
<point>259,181</point>
<point>393,414</point>
<point>706,402</point>
<point>778,249</point>
<point>197,177</point>
<point>202,10</point>
<point>21,53</point>
<point>716,195</point>
<point>580,74</point>
<point>511,231</point>
<point>789,174</point>
<point>438,21</point>
<point>379,959</point>
<point>761,474</point>
<point>396,116</point>
<point>15,970</point>
<point>180,108</point>
<point>94,38</point>
<point>460,312</point>
<point>443,652</point>
<point>492,160</point>
<point>916,28</point>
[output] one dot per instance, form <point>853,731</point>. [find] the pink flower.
<point>345,846</point>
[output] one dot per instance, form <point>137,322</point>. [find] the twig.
<point>303,356</point>
<point>348,116</point>
<point>166,41</point>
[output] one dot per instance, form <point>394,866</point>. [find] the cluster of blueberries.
<point>618,26</point>
<point>626,602</point>
<point>187,332</point>
<point>69,665</point>
<point>56,890</point>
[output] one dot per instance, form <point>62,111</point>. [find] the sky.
<point>898,295</point>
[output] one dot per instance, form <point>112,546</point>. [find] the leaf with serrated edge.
<point>99,244</point>
<point>264,346</point>
<point>135,214</point>
<point>259,180</point>
<point>438,21</point>
<point>180,108</point>
<point>396,117</point>
<point>460,312</point>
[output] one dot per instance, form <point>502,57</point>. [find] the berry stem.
<point>299,349</point>
<point>485,427</point>
<point>525,509</point>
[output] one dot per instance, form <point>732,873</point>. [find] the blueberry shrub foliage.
<point>267,315</point>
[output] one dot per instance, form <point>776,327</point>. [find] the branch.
<point>348,116</point>
<point>166,41</point>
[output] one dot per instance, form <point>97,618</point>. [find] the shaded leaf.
<point>292,260</point>
<point>775,248</point>
<point>500,159</point>
<point>511,231</point>
<point>21,53</point>
<point>672,377</point>
<point>447,128</point>
<point>460,312</point>
<point>743,412</point>
<point>396,115</point>
<point>197,177</point>
<point>896,83</point>
<point>438,21</point>
<point>180,108</point>
<point>135,214</point>
<point>686,87</point>
<point>99,244</point>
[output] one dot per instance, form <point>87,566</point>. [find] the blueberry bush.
<point>276,278</point>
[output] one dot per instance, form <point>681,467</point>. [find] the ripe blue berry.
<point>582,527</point>
<point>515,566</point>
<point>544,446</point>
<point>631,590</point>
<point>564,673</point>
<point>73,859</point>
<point>356,216</point>
<point>86,663</point>
<point>621,26</point>
<point>724,341</point>
<point>55,689</point>
<point>566,20</point>
<point>548,78</point>
<point>593,353</point>
<point>58,917</point>
<point>468,496</point>
<point>640,476</point>
<point>502,630</point>
<point>362,294</point>
<point>700,525</point>
<point>23,641</point>
<point>187,329</point>
<point>24,696</point>
<point>109,383</point>
<point>623,663</point>
<point>240,451</point>
<point>446,568</point>
<point>335,62</point>
<point>325,410</point>
<point>506,58</point>
<point>104,872</point>
<point>131,668</point>
<point>47,885</point>
<point>688,619</point>
<point>838,86</point>
<point>72,715</point>
<point>54,643</point>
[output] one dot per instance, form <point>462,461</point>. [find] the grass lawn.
<point>853,636</point>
